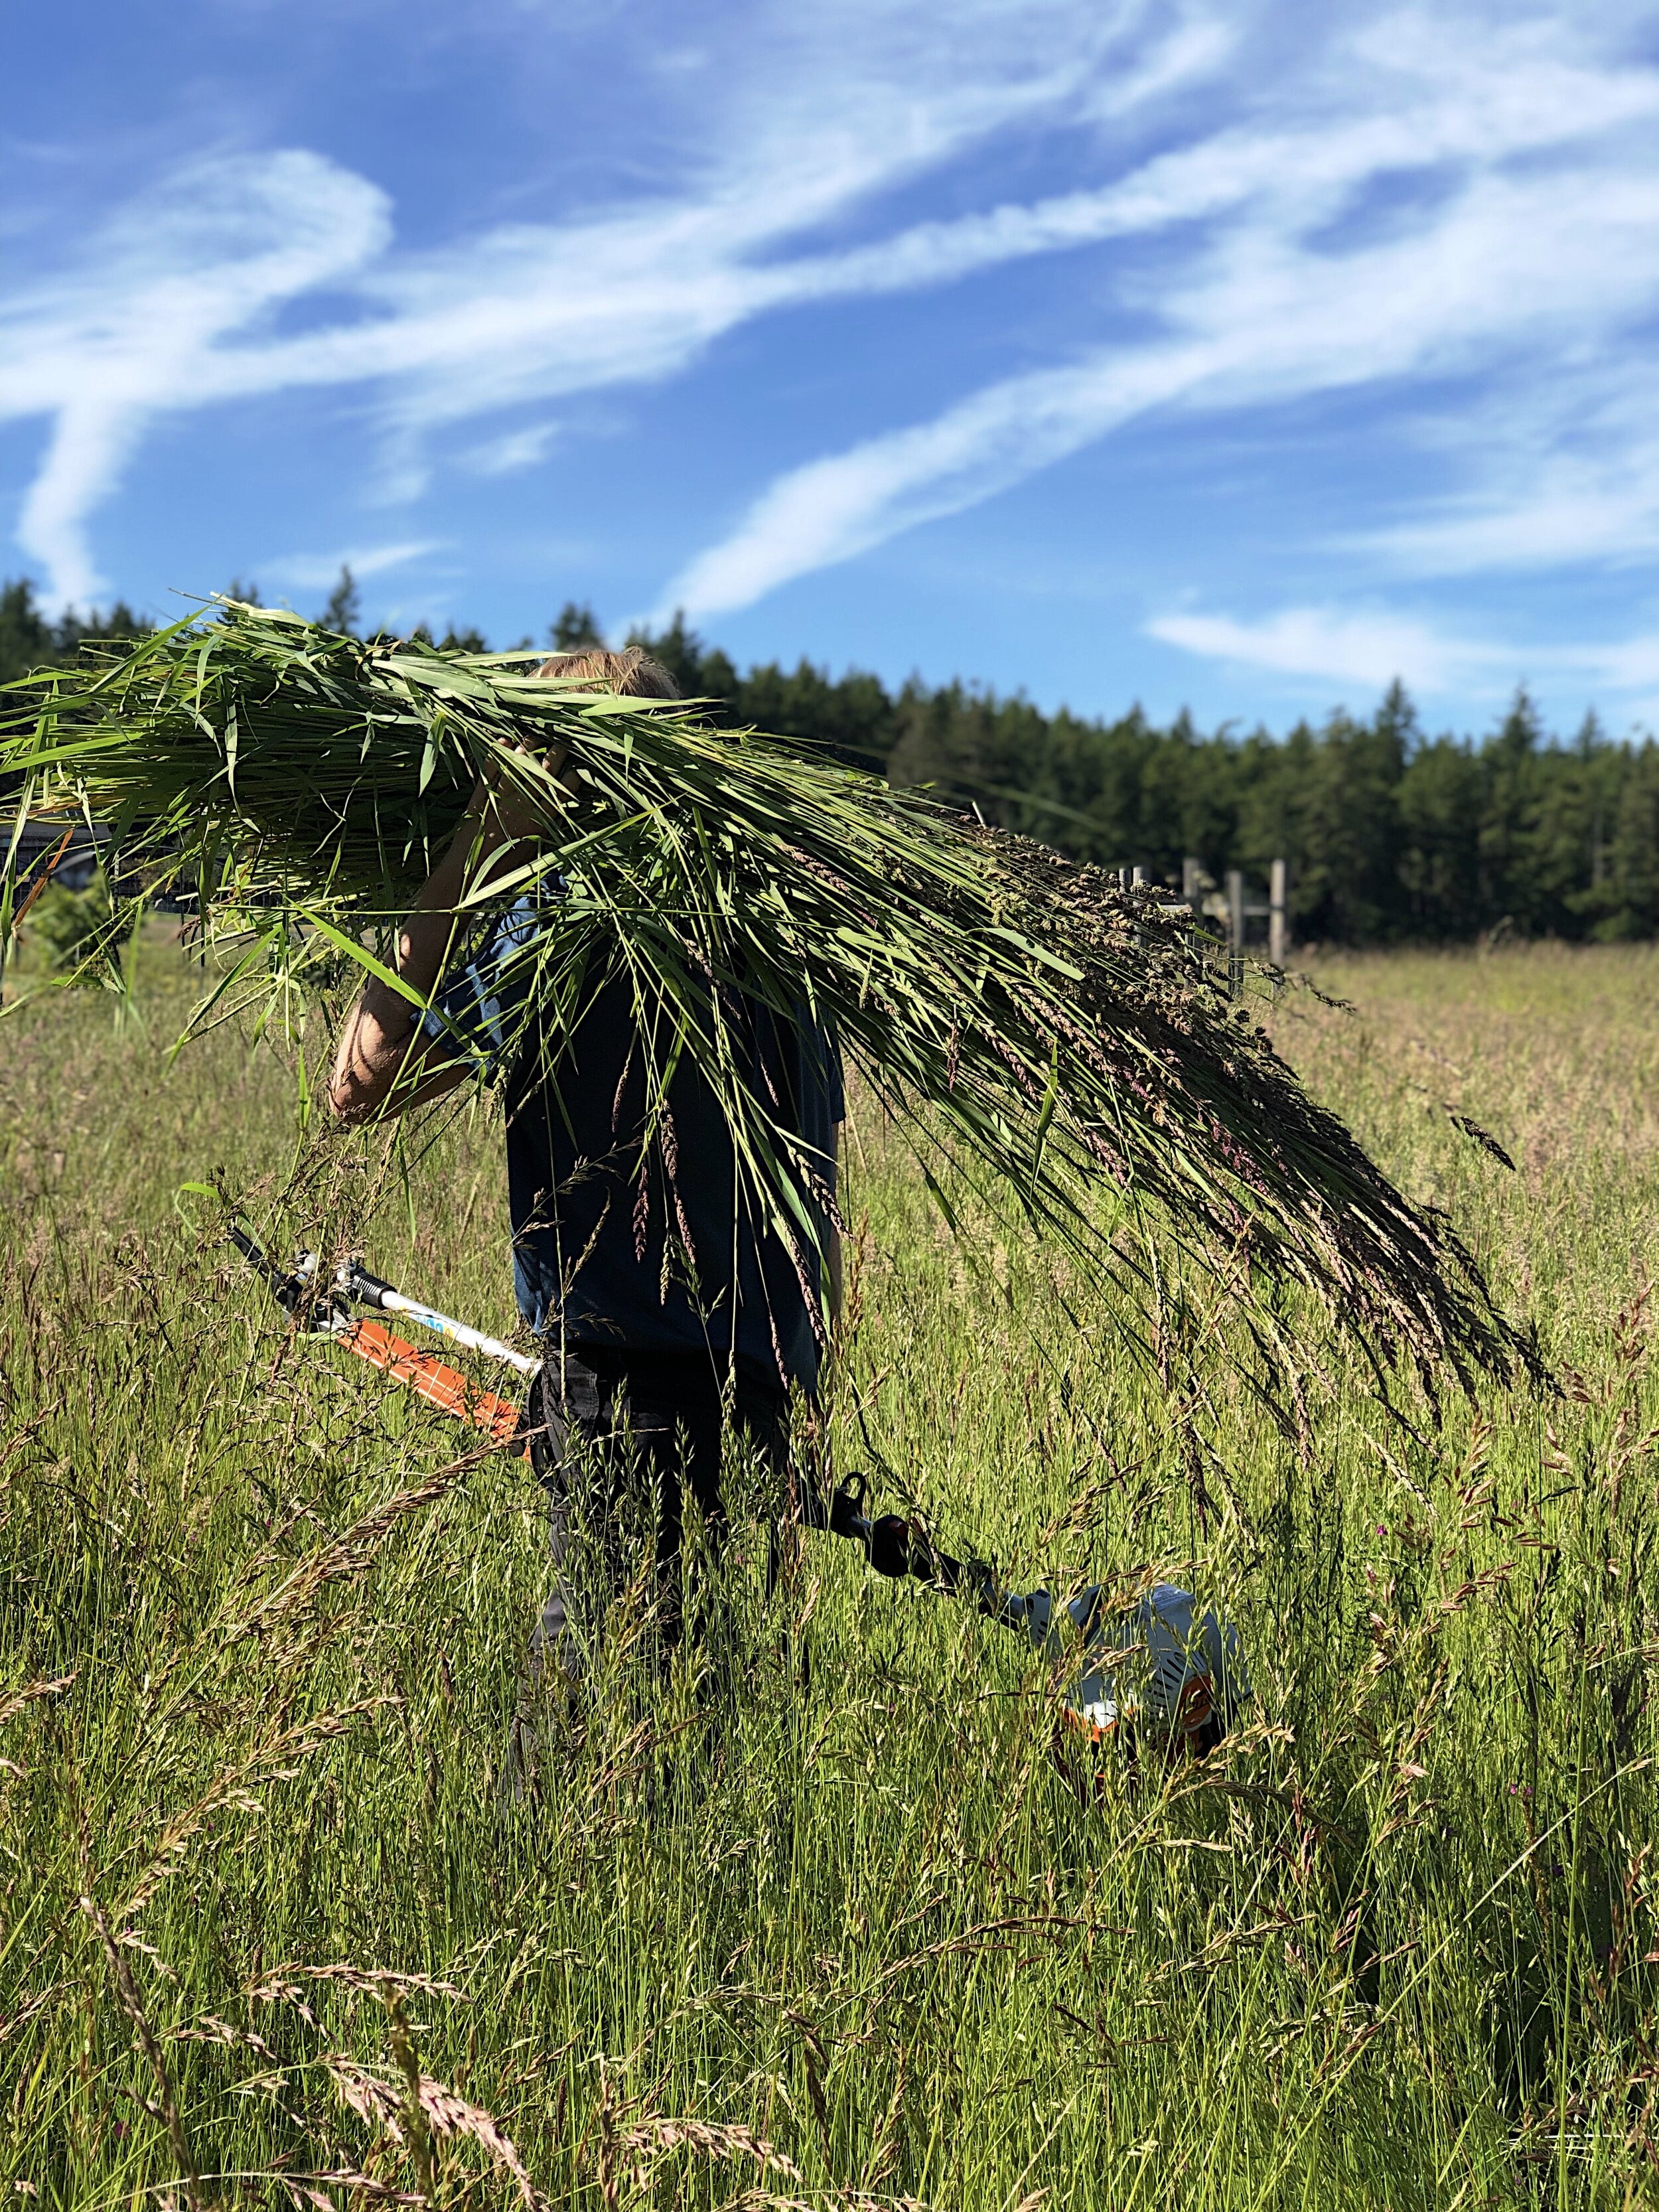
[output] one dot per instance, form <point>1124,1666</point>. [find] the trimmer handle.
<point>315,1307</point>
<point>288,1290</point>
<point>895,1545</point>
<point>840,1510</point>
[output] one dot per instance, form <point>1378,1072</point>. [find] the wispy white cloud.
<point>832,509</point>
<point>109,343</point>
<point>1604,510</point>
<point>313,572</point>
<point>1564,472</point>
<point>1336,645</point>
<point>513,450</point>
<point>1543,238</point>
<point>1369,649</point>
<point>833,106</point>
<point>840,109</point>
<point>1389,199</point>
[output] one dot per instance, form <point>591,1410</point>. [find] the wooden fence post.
<point>1279,925</point>
<point>1236,931</point>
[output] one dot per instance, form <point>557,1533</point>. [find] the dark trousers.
<point>617,1440</point>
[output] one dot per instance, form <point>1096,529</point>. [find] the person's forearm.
<point>376,1044</point>
<point>379,1062</point>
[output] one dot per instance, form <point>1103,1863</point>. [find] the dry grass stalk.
<point>352,1552</point>
<point>368,1981</point>
<point>640,2147</point>
<point>843,2200</point>
<point>630,2153</point>
<point>209,2028</point>
<point>28,1692</point>
<point>414,2109</point>
<point>278,1759</point>
<point>126,1992</point>
<point>309,2188</point>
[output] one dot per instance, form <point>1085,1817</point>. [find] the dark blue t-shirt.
<point>662,1246</point>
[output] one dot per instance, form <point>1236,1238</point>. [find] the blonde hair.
<point>631,674</point>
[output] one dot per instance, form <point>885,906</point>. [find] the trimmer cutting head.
<point>1156,1674</point>
<point>1163,1675</point>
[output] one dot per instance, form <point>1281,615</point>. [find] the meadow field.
<point>278,1926</point>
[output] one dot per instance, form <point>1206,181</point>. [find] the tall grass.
<point>277,1926</point>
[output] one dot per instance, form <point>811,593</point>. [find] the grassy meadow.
<point>277,1928</point>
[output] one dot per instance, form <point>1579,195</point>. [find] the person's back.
<point>623,1241</point>
<point>635,1227</point>
<point>647,1257</point>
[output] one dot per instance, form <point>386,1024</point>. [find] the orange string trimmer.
<point>447,1388</point>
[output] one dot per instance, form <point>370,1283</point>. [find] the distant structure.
<point>1235,911</point>
<point>79,856</point>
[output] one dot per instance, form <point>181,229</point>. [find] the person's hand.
<point>499,817</point>
<point>500,813</point>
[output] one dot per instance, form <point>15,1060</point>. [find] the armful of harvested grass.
<point>1023,1017</point>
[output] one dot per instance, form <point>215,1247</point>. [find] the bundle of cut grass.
<point>1027,1022</point>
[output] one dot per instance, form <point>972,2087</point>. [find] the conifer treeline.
<point>1390,834</point>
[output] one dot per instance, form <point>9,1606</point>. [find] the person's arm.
<point>385,1062</point>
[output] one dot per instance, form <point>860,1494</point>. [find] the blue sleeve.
<point>478,1012</point>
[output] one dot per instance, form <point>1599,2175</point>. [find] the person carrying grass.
<point>667,1307</point>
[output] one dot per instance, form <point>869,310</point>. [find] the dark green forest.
<point>1391,834</point>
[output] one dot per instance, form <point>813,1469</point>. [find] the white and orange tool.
<point>324,1308</point>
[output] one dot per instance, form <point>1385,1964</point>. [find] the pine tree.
<point>27,638</point>
<point>343,611</point>
<point>1509,818</point>
<point>574,626</point>
<point>1630,907</point>
<point>1439,805</point>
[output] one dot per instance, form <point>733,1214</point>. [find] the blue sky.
<point>1233,355</point>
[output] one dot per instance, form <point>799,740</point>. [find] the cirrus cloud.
<point>1225,217</point>
<point>1372,648</point>
<point>104,347</point>
<point>1542,240</point>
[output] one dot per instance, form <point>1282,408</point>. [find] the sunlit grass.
<point>843,1934</point>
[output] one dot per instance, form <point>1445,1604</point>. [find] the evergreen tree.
<point>344,609</point>
<point>1439,825</point>
<point>574,626</point>
<point>851,717</point>
<point>1509,818</point>
<point>27,638</point>
<point>1345,809</point>
<point>1630,907</point>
